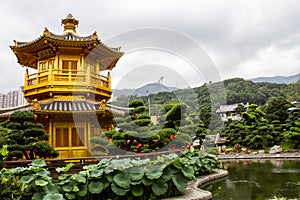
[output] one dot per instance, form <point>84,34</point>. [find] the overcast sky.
<point>245,39</point>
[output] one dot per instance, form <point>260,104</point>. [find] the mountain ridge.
<point>277,79</point>
<point>150,88</point>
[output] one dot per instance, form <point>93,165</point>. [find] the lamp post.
<point>148,102</point>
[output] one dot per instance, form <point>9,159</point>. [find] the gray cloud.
<point>235,34</point>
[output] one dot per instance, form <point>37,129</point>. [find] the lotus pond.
<point>258,179</point>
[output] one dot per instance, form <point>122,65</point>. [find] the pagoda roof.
<point>28,53</point>
<point>64,107</point>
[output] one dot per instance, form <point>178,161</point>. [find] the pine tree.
<point>26,138</point>
<point>293,132</point>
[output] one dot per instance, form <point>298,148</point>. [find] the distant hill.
<point>278,79</point>
<point>151,88</point>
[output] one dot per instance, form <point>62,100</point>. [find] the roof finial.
<point>70,23</point>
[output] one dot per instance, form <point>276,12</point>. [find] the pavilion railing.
<point>66,77</point>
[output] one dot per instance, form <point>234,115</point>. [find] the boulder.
<point>261,151</point>
<point>275,149</point>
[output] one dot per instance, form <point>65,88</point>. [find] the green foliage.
<point>277,109</point>
<point>292,134</point>
<point>135,103</point>
<point>138,110</point>
<point>26,138</point>
<point>109,179</point>
<point>293,92</point>
<point>253,131</point>
<point>3,154</point>
<point>136,133</point>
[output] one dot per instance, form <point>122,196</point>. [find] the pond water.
<point>258,180</point>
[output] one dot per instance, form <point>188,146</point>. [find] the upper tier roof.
<point>28,53</point>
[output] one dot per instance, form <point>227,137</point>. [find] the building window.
<point>69,137</point>
<point>77,137</point>
<point>43,66</point>
<point>62,137</point>
<point>69,65</point>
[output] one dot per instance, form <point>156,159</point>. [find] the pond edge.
<point>193,191</point>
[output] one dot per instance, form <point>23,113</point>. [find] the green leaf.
<point>179,181</point>
<point>159,187</point>
<point>168,173</point>
<point>146,181</point>
<point>188,172</point>
<point>95,187</point>
<point>119,190</point>
<point>121,164</point>
<point>65,169</point>
<point>137,190</point>
<point>104,162</point>
<point>88,167</point>
<point>51,188</point>
<point>63,177</point>
<point>75,189</point>
<point>136,176</point>
<point>154,171</point>
<point>52,196</point>
<point>39,163</point>
<point>38,196</point>
<point>177,164</point>
<point>27,179</point>
<point>97,173</point>
<point>43,173</point>
<point>140,162</point>
<point>122,179</point>
<point>41,183</point>
<point>78,178</point>
<point>110,177</point>
<point>136,182</point>
<point>82,190</point>
<point>154,174</point>
<point>108,169</point>
<point>70,196</point>
<point>36,169</point>
<point>68,187</point>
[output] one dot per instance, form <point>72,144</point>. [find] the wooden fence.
<point>81,161</point>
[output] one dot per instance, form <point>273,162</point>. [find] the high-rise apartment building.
<point>12,98</point>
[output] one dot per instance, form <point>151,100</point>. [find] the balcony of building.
<point>66,81</point>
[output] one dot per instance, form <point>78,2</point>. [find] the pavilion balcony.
<point>61,81</point>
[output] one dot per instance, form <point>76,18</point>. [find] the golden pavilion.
<point>67,84</point>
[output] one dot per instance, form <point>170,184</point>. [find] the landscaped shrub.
<point>135,103</point>
<point>109,179</point>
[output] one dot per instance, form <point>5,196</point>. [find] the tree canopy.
<point>25,138</point>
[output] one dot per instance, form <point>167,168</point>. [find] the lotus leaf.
<point>159,187</point>
<point>95,187</point>
<point>119,190</point>
<point>52,196</point>
<point>40,183</point>
<point>97,173</point>
<point>179,181</point>
<point>122,179</point>
<point>137,190</point>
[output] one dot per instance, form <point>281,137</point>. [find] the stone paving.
<point>260,156</point>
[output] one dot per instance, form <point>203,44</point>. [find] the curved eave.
<point>27,52</point>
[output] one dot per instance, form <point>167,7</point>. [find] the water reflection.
<point>258,180</point>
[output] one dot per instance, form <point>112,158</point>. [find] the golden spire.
<point>70,23</point>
